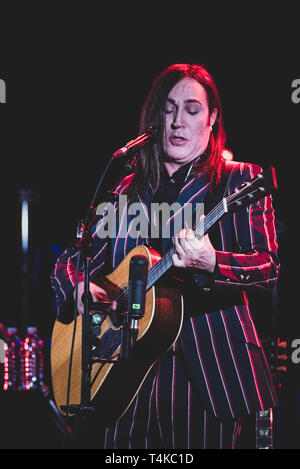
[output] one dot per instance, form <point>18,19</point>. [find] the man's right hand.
<point>98,295</point>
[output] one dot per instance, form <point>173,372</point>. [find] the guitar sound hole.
<point>111,339</point>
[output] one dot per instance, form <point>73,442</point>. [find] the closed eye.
<point>193,107</point>
<point>169,108</point>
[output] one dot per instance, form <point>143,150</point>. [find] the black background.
<point>76,80</point>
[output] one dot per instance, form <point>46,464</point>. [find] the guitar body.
<point>114,385</point>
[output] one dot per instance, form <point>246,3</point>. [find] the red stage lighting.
<point>227,154</point>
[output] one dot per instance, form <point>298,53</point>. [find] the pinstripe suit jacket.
<point>223,353</point>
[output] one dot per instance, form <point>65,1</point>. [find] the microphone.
<point>137,143</point>
<point>138,276</point>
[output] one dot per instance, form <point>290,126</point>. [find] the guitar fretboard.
<point>202,227</point>
<point>249,192</point>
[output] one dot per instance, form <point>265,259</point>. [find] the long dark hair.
<point>149,164</point>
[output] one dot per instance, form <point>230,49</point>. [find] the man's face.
<point>187,121</point>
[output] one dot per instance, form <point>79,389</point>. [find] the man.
<point>196,394</point>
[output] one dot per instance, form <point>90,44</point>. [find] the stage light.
<point>227,154</point>
<point>25,223</point>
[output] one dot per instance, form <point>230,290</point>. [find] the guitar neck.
<point>202,227</point>
<point>248,193</point>
<point>264,429</point>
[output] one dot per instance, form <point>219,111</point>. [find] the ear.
<point>213,116</point>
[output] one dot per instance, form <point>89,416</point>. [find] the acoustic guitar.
<point>114,382</point>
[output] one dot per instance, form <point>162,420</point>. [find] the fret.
<point>165,263</point>
<point>248,192</point>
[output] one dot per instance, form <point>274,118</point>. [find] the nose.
<point>178,119</point>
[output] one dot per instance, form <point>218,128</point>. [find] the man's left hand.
<point>193,253</point>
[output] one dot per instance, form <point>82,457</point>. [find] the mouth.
<point>177,140</point>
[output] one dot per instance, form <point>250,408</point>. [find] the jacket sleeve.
<point>67,268</point>
<point>254,261</point>
<point>66,271</point>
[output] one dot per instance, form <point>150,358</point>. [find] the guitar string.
<point>165,262</point>
<point>209,220</point>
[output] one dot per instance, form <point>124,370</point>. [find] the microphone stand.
<point>83,245</point>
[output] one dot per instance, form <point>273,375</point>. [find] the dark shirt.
<point>168,192</point>
<point>170,186</point>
